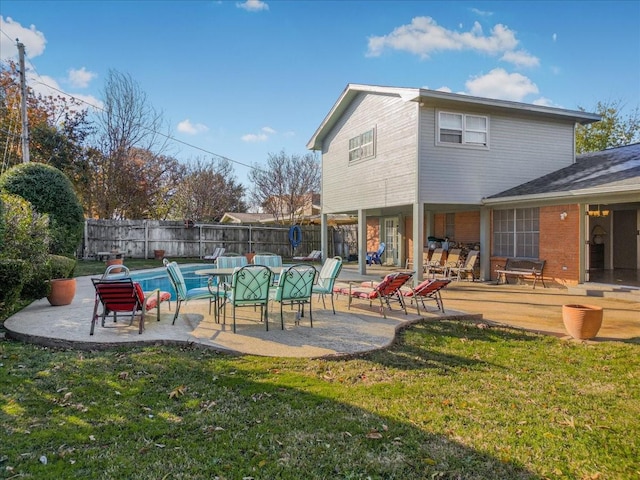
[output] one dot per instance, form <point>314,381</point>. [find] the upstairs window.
<point>362,146</point>
<point>462,129</point>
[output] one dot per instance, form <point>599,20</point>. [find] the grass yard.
<point>449,400</point>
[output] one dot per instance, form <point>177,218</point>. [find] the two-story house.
<point>413,163</point>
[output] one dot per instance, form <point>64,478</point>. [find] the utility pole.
<point>23,91</point>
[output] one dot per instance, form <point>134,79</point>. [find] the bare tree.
<point>207,191</point>
<point>286,186</point>
<point>129,136</point>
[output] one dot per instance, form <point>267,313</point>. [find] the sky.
<point>246,79</point>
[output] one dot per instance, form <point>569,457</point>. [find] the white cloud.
<point>424,37</point>
<point>263,136</point>
<point>253,5</point>
<point>545,102</point>
<point>254,137</point>
<point>520,58</point>
<point>47,86</point>
<point>33,40</point>
<point>80,78</point>
<point>500,84</point>
<point>481,13</point>
<point>189,128</point>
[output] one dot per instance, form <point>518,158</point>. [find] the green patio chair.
<point>326,280</point>
<point>295,288</point>
<point>183,294</point>
<point>249,288</point>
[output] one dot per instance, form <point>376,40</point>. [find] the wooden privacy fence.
<point>141,238</point>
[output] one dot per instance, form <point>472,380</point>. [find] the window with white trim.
<point>463,129</point>
<point>516,232</point>
<point>362,146</point>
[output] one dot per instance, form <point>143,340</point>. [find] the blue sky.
<point>243,79</point>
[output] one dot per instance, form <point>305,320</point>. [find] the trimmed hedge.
<point>49,191</point>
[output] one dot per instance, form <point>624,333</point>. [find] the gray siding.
<point>389,178</point>
<point>521,148</point>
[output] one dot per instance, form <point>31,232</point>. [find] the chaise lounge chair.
<point>314,256</point>
<point>386,291</point>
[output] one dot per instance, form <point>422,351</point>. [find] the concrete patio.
<point>348,332</point>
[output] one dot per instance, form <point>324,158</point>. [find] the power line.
<point>168,137</point>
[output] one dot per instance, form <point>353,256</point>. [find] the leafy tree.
<point>207,191</point>
<point>614,130</point>
<point>286,186</point>
<point>58,126</point>
<point>49,191</point>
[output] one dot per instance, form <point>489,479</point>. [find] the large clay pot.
<point>115,261</point>
<point>582,321</point>
<point>62,291</point>
<point>250,256</point>
<point>158,254</point>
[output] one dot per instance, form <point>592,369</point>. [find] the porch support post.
<point>324,236</point>
<point>583,243</point>
<point>418,240</point>
<point>362,241</point>
<point>485,243</point>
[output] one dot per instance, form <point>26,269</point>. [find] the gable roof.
<point>615,170</point>
<point>423,95</point>
<point>235,217</point>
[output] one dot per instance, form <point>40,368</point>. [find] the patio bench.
<point>523,268</point>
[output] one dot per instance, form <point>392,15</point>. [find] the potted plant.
<point>62,285</point>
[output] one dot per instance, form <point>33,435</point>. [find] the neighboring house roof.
<point>615,170</point>
<point>233,217</point>
<point>423,95</point>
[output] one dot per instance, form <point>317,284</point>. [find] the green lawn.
<point>449,400</point>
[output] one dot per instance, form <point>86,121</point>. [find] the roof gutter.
<point>566,195</point>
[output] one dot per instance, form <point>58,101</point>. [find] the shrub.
<point>13,274</point>
<point>26,232</point>
<point>60,267</point>
<point>26,237</point>
<point>49,191</point>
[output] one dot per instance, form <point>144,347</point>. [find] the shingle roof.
<point>610,168</point>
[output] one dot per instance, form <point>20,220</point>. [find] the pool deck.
<point>348,332</point>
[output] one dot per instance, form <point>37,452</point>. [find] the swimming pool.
<point>158,278</point>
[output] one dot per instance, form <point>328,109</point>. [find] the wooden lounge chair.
<point>428,290</point>
<point>468,267</point>
<point>386,291</point>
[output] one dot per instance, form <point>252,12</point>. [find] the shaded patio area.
<point>348,332</point>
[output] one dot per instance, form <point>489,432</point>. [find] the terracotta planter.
<point>115,261</point>
<point>62,291</point>
<point>158,254</point>
<point>249,257</point>
<point>582,321</point>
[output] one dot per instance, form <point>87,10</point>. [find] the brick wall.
<point>559,245</point>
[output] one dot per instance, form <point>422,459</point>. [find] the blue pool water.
<point>158,278</point>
